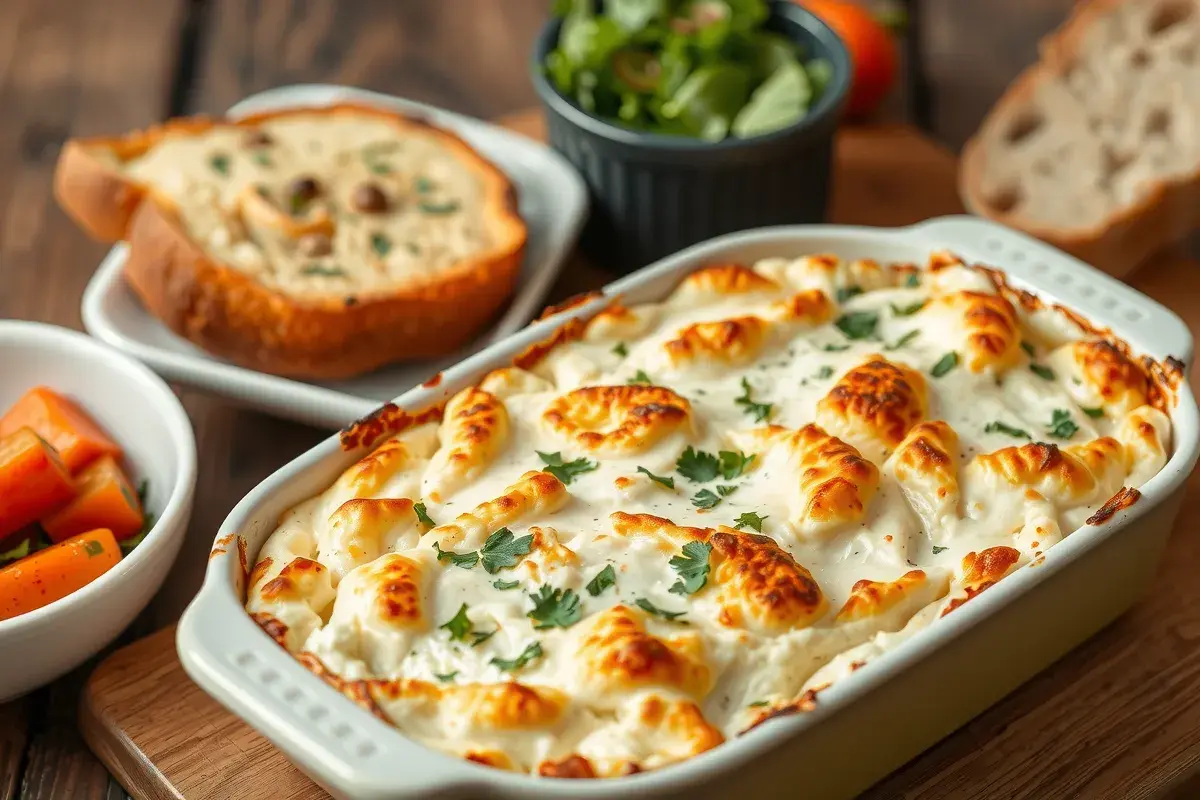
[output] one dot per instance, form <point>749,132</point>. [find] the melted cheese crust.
<point>854,492</point>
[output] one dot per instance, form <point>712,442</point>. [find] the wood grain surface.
<point>1117,718</point>
<point>72,67</point>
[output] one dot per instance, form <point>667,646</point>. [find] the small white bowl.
<point>143,415</point>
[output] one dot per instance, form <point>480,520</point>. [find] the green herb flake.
<point>262,159</point>
<point>858,324</point>
<point>907,311</point>
<point>640,377</point>
<point>1028,348</point>
<point>759,411</point>
<point>459,625</point>
<point>733,463</point>
<point>758,704</point>
<point>463,560</point>
<point>1094,413</point>
<point>706,498</point>
<point>939,550</point>
<point>751,520</point>
<point>219,163</point>
<point>650,608</point>
<point>1000,427</point>
<point>423,516</point>
<point>1061,425</point>
<point>565,471</point>
<point>381,244</point>
<point>692,566</point>
<point>555,608</point>
<point>620,349</point>
<point>532,651</point>
<point>502,550</point>
<point>423,185</point>
<point>379,167</point>
<point>846,292</point>
<point>913,280</point>
<point>667,482</point>
<point>824,373</point>
<point>504,585</point>
<point>697,465</point>
<point>1043,372</point>
<point>323,271</point>
<point>944,364</point>
<point>903,340</point>
<point>835,348</point>
<point>447,207</point>
<point>604,579</point>
<point>479,637</point>
<point>446,677</point>
<point>16,553</point>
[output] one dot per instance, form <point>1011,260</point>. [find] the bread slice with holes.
<point>316,243</point>
<point>1096,148</point>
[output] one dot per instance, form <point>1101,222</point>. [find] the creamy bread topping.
<point>694,514</point>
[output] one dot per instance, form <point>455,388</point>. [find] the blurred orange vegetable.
<point>104,499</point>
<point>51,574</point>
<point>67,427</point>
<point>872,51</point>
<point>34,481</point>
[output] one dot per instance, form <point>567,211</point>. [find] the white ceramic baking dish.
<point>863,727</point>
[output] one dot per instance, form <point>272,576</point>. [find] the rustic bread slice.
<point>312,242</point>
<point>1096,148</point>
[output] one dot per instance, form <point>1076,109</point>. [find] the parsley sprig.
<point>604,579</point>
<point>650,608</point>
<point>459,625</point>
<point>706,498</point>
<point>702,467</point>
<point>750,519</point>
<point>555,608</point>
<point>423,515</point>
<point>1009,430</point>
<point>1061,425</point>
<point>667,482</point>
<point>532,651</point>
<point>761,412</point>
<point>858,324</point>
<point>565,471</point>
<point>692,567</point>
<point>462,560</point>
<point>944,364</point>
<point>503,550</point>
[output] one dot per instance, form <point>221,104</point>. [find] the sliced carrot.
<point>66,426</point>
<point>52,574</point>
<point>104,499</point>
<point>34,481</point>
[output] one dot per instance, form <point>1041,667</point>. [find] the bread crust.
<point>1117,244</point>
<point>232,315</point>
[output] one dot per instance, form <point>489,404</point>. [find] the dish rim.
<point>225,671</point>
<point>330,403</point>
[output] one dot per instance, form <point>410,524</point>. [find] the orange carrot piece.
<point>33,480</point>
<point>66,426</point>
<point>52,574</point>
<point>104,499</point>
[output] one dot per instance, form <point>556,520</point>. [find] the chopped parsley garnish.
<point>423,185</point>
<point>479,637</point>
<point>913,280</point>
<point>824,372</point>
<point>1000,427</point>
<point>18,552</point>
<point>379,167</point>
<point>939,550</point>
<point>835,348</point>
<point>413,248</point>
<point>381,244</point>
<point>126,545</point>
<point>446,677</point>
<point>565,471</point>
<point>1094,413</point>
<point>692,567</point>
<point>604,579</point>
<point>464,560</point>
<point>1043,372</point>
<point>760,411</point>
<point>323,271</point>
<point>423,516</point>
<point>93,548</point>
<point>448,207</point>
<point>555,608</point>
<point>1061,425</point>
<point>531,651</point>
<point>706,498</point>
<point>219,162</point>
<point>734,463</point>
<point>846,292</point>
<point>697,465</point>
<point>262,159</point>
<point>858,324</point>
<point>503,550</point>
<point>903,340</point>
<point>907,311</point>
<point>667,482</point>
<point>504,585</point>
<point>944,364</point>
<point>620,349</point>
<point>459,625</point>
<point>750,520</point>
<point>650,608</point>
<point>1028,348</point>
<point>639,377</point>
<point>759,704</point>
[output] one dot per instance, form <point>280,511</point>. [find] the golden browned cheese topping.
<point>673,522</point>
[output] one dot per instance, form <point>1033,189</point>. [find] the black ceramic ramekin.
<point>654,194</point>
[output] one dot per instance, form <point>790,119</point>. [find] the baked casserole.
<point>677,520</point>
<point>315,243</point>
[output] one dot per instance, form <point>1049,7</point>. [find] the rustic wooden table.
<point>75,68</point>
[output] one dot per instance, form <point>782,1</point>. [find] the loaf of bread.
<point>315,243</point>
<point>1096,148</point>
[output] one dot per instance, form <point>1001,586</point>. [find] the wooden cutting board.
<point>1119,717</point>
